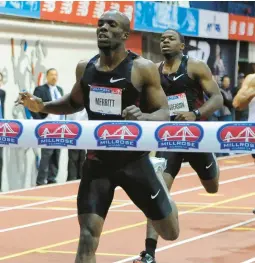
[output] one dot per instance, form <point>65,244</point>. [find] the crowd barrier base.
<point>217,137</point>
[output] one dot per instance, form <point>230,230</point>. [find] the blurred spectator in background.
<point>2,100</point>
<point>76,157</point>
<point>48,168</point>
<point>225,113</point>
<point>240,115</point>
<point>218,65</point>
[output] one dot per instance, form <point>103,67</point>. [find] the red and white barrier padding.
<point>225,137</point>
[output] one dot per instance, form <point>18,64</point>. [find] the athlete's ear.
<point>126,35</point>
<point>182,46</point>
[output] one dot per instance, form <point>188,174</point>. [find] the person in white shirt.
<point>76,157</point>
<point>49,163</point>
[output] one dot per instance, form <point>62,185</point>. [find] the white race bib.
<point>177,103</point>
<point>105,100</point>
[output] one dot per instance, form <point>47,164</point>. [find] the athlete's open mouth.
<point>102,36</point>
<point>165,47</point>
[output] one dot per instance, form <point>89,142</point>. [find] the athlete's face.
<point>110,32</point>
<point>170,43</point>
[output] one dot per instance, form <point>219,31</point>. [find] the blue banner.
<point>157,17</point>
<point>21,8</point>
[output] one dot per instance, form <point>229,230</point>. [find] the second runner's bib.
<point>177,102</point>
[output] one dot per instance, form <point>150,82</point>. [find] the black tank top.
<point>116,92</point>
<point>179,82</point>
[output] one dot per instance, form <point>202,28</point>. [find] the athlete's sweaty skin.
<point>246,93</point>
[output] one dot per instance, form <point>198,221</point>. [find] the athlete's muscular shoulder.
<point>76,95</point>
<point>246,93</point>
<point>249,80</point>
<point>145,71</point>
<point>198,68</point>
<point>141,63</point>
<point>147,76</point>
<point>80,68</point>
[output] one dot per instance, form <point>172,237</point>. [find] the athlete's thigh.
<point>174,162</point>
<point>146,189</point>
<point>205,165</point>
<point>96,189</point>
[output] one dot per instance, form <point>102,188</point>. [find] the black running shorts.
<point>205,164</point>
<point>137,178</point>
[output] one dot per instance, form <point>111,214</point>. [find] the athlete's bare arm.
<point>73,101</point>
<point>156,98</point>
<point>245,94</point>
<point>149,79</point>
<point>68,104</point>
<point>201,71</point>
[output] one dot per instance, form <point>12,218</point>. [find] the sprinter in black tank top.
<point>185,80</point>
<point>119,78</point>
<point>139,96</point>
<point>179,82</point>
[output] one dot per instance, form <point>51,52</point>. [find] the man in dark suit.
<point>2,100</point>
<point>49,163</point>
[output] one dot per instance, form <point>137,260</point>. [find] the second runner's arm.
<point>210,87</point>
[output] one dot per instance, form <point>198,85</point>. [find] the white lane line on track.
<point>77,181</point>
<point>74,196</point>
<point>195,238</point>
<point>118,206</point>
<point>50,220</point>
<point>251,260</point>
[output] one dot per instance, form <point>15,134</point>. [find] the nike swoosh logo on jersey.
<point>175,78</point>
<point>207,167</point>
<point>154,196</point>
<point>115,80</point>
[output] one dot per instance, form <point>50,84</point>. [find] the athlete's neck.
<point>171,61</point>
<point>109,59</point>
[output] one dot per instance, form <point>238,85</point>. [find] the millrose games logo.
<point>58,133</point>
<point>10,131</point>
<point>179,136</point>
<point>237,136</point>
<point>118,134</point>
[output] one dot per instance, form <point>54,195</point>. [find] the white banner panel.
<point>213,24</point>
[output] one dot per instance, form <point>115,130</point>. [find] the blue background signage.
<point>21,8</point>
<point>157,17</point>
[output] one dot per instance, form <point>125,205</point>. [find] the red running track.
<point>40,224</point>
